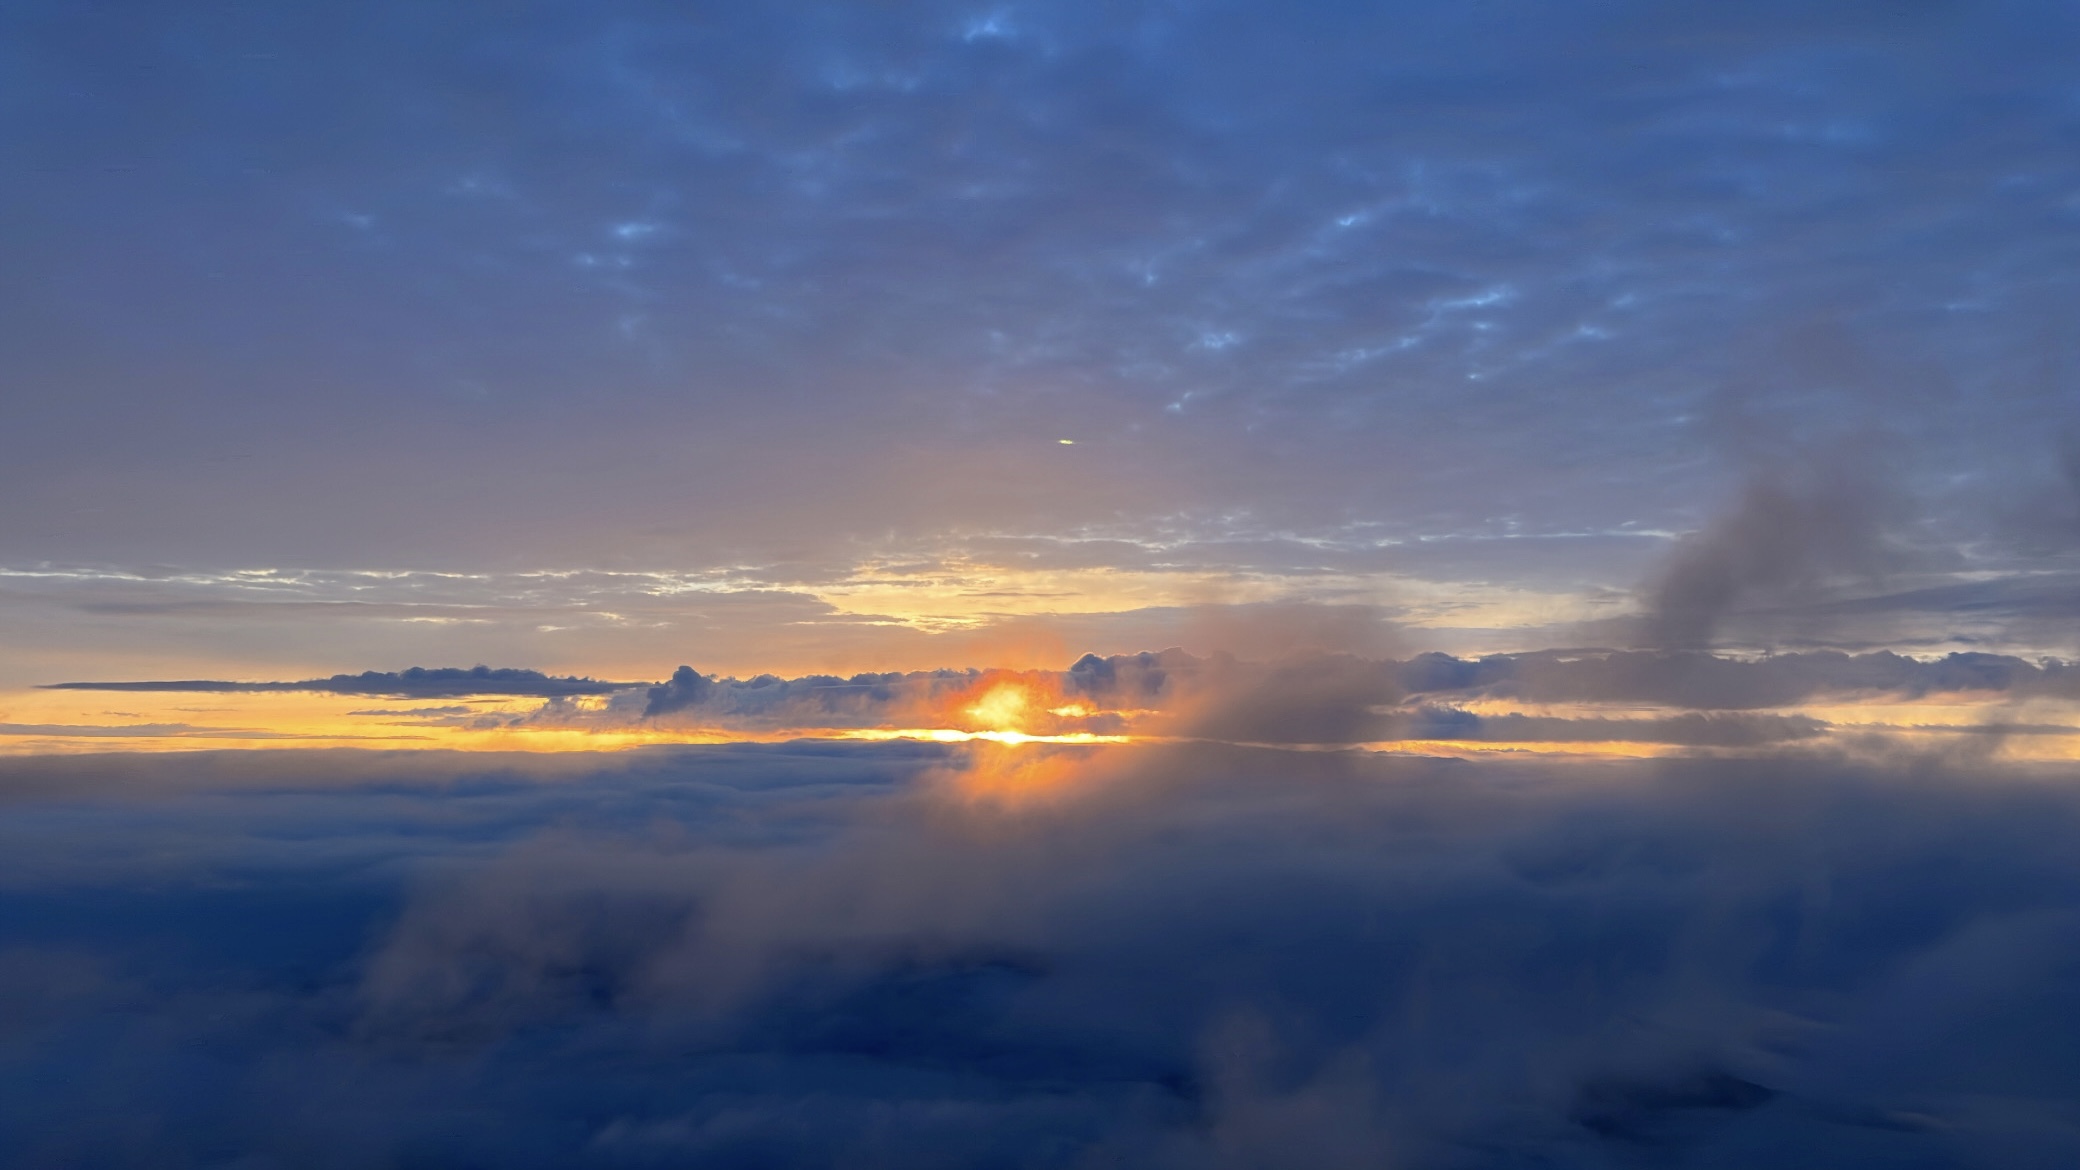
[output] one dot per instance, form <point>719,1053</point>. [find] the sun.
<point>1003,707</point>
<point>1000,710</point>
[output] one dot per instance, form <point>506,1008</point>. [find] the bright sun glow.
<point>1003,707</point>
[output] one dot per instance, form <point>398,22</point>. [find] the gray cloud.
<point>440,682</point>
<point>1793,531</point>
<point>686,688</point>
<point>1712,682</point>
<point>1692,730</point>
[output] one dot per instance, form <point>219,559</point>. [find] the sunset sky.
<point>748,336</point>
<point>788,422</point>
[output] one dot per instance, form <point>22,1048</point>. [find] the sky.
<point>896,583</point>
<point>605,338</point>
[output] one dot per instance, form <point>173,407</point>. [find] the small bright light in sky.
<point>1066,442</point>
<point>992,27</point>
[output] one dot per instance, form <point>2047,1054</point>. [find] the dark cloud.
<point>1693,730</point>
<point>686,688</point>
<point>1131,677</point>
<point>418,682</point>
<point>1713,682</point>
<point>809,701</point>
<point>1188,957</point>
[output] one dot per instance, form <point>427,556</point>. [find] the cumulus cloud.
<point>808,701</point>
<point>686,688</point>
<point>1190,956</point>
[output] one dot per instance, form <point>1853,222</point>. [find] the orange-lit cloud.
<point>1601,704</point>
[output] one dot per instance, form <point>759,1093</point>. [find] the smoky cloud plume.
<point>1793,531</point>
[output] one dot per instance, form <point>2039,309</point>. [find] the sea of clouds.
<point>914,955</point>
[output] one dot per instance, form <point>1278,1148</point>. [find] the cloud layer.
<point>1597,700</point>
<point>916,956</point>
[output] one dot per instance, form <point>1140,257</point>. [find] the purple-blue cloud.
<point>1199,956</point>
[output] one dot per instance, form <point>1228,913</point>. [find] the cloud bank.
<point>1542,700</point>
<point>917,956</point>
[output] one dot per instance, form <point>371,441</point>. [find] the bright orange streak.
<point>1000,709</point>
<point>954,735</point>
